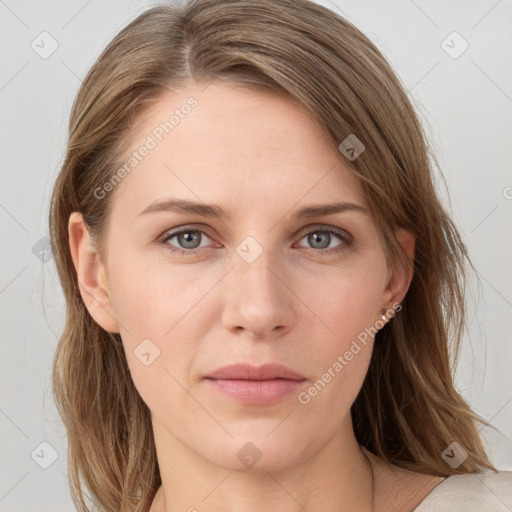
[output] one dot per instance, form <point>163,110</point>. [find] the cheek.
<point>163,312</point>
<point>345,307</point>
<point>154,299</point>
<point>347,302</point>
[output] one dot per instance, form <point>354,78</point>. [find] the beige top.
<point>472,492</point>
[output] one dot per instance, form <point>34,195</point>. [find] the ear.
<point>399,278</point>
<point>90,274</point>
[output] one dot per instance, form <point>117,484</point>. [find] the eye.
<point>188,241</point>
<point>321,240</point>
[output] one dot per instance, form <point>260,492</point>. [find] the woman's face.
<point>250,280</point>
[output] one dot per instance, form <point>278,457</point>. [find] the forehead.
<point>206,141</point>
<point>224,119</point>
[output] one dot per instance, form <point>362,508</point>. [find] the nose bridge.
<point>257,298</point>
<point>257,271</point>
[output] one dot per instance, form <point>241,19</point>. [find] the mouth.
<point>250,385</point>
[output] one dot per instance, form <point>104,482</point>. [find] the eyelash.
<point>346,241</point>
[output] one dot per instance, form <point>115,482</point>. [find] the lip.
<point>251,385</point>
<point>242,371</point>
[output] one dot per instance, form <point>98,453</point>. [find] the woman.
<point>262,284</point>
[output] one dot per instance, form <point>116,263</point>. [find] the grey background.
<point>466,107</point>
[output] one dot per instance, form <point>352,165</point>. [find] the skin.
<point>260,156</point>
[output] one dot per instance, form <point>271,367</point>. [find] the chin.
<point>258,452</point>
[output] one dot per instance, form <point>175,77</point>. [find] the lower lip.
<point>256,392</point>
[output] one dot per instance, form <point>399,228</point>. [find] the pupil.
<point>317,237</point>
<point>189,237</point>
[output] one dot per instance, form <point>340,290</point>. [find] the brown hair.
<point>408,410</point>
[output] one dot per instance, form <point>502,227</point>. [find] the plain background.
<point>465,104</point>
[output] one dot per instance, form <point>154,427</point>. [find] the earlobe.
<point>91,274</point>
<point>401,277</point>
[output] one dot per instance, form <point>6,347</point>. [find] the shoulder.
<point>471,492</point>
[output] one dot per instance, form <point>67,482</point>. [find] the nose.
<point>258,299</point>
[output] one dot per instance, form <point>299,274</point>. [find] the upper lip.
<point>248,372</point>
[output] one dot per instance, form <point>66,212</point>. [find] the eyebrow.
<point>215,211</point>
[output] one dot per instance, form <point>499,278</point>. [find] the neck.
<point>338,477</point>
